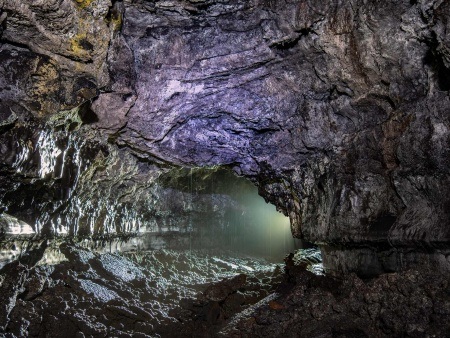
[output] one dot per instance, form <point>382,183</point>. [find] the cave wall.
<point>338,111</point>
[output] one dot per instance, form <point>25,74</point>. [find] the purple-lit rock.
<point>338,111</point>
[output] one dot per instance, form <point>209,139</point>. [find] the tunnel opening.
<point>224,211</point>
<point>209,248</point>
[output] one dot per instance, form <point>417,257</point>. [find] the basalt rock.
<point>338,111</point>
<point>407,304</point>
<point>154,294</point>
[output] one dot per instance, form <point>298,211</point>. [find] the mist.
<point>226,212</point>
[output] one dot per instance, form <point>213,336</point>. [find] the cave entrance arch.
<point>212,208</point>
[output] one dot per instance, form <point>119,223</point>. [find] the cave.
<point>224,168</point>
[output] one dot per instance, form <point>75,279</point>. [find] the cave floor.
<point>163,293</point>
<point>167,293</point>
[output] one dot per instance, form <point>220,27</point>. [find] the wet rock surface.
<point>407,304</point>
<point>167,293</point>
<point>148,294</point>
<point>337,111</point>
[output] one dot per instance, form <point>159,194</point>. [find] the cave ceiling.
<point>338,111</point>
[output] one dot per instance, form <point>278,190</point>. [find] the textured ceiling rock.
<point>338,110</point>
<point>58,49</point>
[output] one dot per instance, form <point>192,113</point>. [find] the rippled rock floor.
<point>71,291</point>
<point>162,293</point>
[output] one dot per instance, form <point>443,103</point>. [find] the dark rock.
<point>350,307</point>
<point>88,293</point>
<point>13,276</point>
<point>220,291</point>
<point>337,111</point>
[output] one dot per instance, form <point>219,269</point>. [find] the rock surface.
<point>407,304</point>
<point>338,111</point>
<point>145,294</point>
<point>167,293</point>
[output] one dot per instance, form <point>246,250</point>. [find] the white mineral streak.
<point>48,152</point>
<point>21,156</point>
